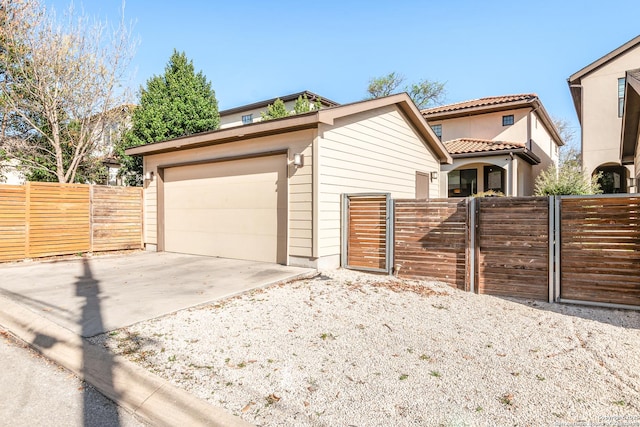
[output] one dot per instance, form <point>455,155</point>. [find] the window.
<point>437,129</point>
<point>247,119</point>
<point>463,182</point>
<point>494,179</point>
<point>507,120</point>
<point>621,83</point>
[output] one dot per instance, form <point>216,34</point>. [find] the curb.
<point>130,386</point>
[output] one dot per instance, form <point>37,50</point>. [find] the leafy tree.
<point>60,81</point>
<point>570,149</point>
<point>276,110</point>
<point>424,93</point>
<point>303,105</point>
<point>179,102</point>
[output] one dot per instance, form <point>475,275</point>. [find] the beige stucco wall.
<point>300,182</point>
<point>235,119</point>
<point>601,126</point>
<point>374,151</point>
<point>486,126</point>
<point>543,145</point>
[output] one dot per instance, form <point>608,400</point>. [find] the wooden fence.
<point>46,219</point>
<point>431,239</point>
<point>566,248</point>
<point>600,249</point>
<point>512,247</point>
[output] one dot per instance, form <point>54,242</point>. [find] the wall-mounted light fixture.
<point>148,176</point>
<point>434,176</point>
<point>298,160</point>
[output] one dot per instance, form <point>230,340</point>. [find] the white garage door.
<point>232,209</point>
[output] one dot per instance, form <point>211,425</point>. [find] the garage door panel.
<point>234,209</point>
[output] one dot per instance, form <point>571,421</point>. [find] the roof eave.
<point>286,98</point>
<point>470,111</point>
<point>575,77</point>
<point>523,153</point>
<point>221,136</point>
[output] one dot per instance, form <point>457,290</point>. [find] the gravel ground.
<point>352,349</point>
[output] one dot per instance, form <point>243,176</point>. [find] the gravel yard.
<point>352,349</point>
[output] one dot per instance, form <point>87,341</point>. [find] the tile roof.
<point>473,145</point>
<point>490,101</point>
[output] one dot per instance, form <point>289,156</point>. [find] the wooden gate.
<point>512,247</point>
<point>366,232</point>
<point>600,250</point>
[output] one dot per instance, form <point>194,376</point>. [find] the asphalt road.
<point>37,392</point>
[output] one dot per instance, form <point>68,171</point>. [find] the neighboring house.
<point>630,141</point>
<point>271,191</point>
<point>598,96</point>
<point>118,121</point>
<point>498,143</point>
<point>247,114</point>
<point>9,173</point>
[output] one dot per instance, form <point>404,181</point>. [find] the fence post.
<point>390,234</point>
<point>27,219</point>
<point>551,236</point>
<point>345,231</point>
<point>558,243</point>
<point>471,247</point>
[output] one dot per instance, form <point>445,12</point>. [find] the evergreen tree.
<point>275,111</point>
<point>178,103</point>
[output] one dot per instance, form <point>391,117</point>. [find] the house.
<point>271,191</point>
<point>598,96</point>
<point>498,143</point>
<point>630,140</point>
<point>247,114</point>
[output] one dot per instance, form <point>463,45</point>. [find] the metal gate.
<point>367,232</point>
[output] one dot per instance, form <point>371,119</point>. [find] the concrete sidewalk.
<point>93,295</point>
<point>52,305</point>
<point>37,392</point>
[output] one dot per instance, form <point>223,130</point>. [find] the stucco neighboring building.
<point>598,96</point>
<point>247,114</point>
<point>271,191</point>
<point>498,143</point>
<point>630,141</point>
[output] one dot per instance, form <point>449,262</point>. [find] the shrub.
<point>568,178</point>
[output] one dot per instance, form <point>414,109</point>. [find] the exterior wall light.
<point>148,176</point>
<point>298,160</point>
<point>434,176</point>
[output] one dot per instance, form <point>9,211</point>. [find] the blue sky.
<point>255,50</point>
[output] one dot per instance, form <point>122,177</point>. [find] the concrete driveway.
<point>90,296</point>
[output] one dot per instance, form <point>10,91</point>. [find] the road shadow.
<point>95,365</point>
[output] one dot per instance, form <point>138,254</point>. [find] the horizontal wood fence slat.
<point>600,250</point>
<point>367,234</point>
<point>42,219</point>
<point>513,251</point>
<point>431,239</point>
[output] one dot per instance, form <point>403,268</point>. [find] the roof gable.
<point>575,77</point>
<point>494,104</point>
<point>298,122</point>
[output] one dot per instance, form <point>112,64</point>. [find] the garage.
<point>231,209</point>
